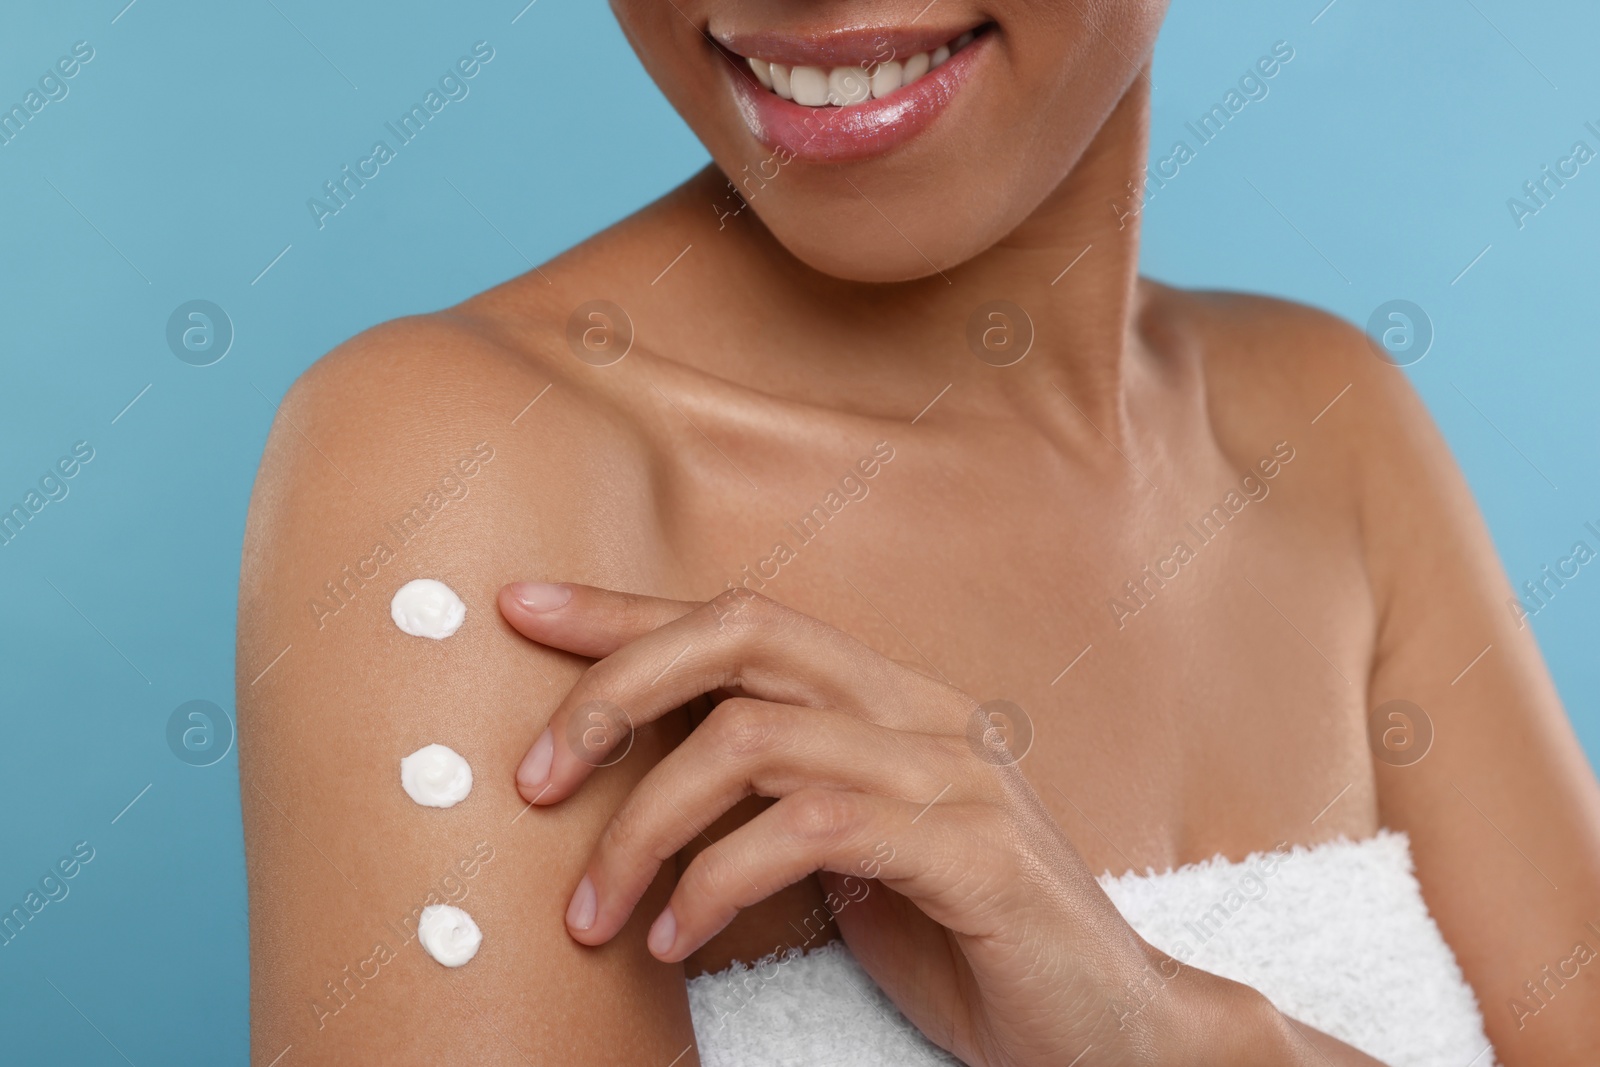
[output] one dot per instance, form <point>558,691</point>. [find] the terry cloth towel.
<point>1336,936</point>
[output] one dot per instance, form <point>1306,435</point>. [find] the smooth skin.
<point>1227,715</point>
<point>1009,952</point>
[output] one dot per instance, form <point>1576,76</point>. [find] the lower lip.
<point>856,132</point>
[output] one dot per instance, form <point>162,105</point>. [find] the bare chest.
<point>1183,680</point>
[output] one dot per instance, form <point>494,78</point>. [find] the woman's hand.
<point>950,881</point>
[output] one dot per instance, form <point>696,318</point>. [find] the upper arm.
<point>395,459</point>
<point>1503,812</point>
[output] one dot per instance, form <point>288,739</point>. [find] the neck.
<point>1072,266</point>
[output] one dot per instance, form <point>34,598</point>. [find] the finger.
<point>773,654</point>
<point>585,619</point>
<point>853,834</point>
<point>747,747</point>
<point>600,623</point>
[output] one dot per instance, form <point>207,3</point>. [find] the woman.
<point>887,371</point>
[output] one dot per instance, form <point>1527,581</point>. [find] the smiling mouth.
<point>855,83</point>
<point>849,95</point>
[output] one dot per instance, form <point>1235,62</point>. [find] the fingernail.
<point>663,932</point>
<point>535,767</point>
<point>541,596</point>
<point>580,913</point>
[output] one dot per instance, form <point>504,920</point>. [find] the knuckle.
<point>630,838</point>
<point>733,597</point>
<point>705,874</point>
<point>637,613</point>
<point>632,613</point>
<point>621,833</point>
<point>739,609</point>
<point>820,815</point>
<point>953,749</point>
<point>629,830</point>
<point>744,728</point>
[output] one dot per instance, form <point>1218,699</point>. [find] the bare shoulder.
<point>1376,467</point>
<point>1276,367</point>
<point>527,367</point>
<point>459,448</point>
<point>400,387</point>
<point>1265,354</point>
<point>386,424</point>
<point>1472,727</point>
<point>390,420</point>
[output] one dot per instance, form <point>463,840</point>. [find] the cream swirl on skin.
<point>436,776</point>
<point>448,934</point>
<point>426,607</point>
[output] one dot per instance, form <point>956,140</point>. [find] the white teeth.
<point>916,67</point>
<point>849,85</point>
<point>809,85</point>
<point>886,79</point>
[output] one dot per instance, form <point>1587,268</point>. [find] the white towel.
<point>1336,936</point>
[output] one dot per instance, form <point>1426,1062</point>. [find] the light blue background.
<point>181,163</point>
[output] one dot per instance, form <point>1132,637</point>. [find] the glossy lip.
<point>860,131</point>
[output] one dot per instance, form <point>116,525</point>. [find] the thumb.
<point>585,619</point>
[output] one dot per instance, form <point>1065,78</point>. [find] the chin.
<point>894,143</point>
<point>853,242</point>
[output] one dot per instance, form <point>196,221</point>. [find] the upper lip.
<point>838,48</point>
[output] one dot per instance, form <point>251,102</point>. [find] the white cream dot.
<point>436,776</point>
<point>448,934</point>
<point>426,607</point>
